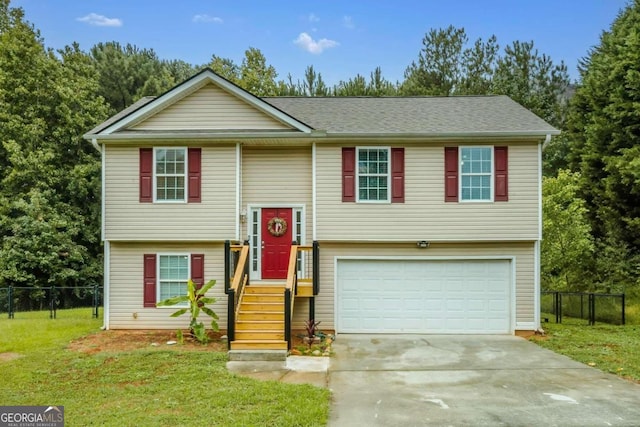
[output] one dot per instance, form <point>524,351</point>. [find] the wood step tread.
<point>259,345</point>
<point>261,312</point>
<point>259,322</point>
<point>264,303</point>
<point>276,291</point>
<point>251,325</point>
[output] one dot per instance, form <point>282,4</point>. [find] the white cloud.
<point>313,17</point>
<point>347,21</point>
<point>306,42</point>
<point>100,20</point>
<point>207,18</point>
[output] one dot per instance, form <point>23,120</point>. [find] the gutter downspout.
<point>239,192</point>
<point>106,284</point>
<point>106,287</point>
<point>314,194</point>
<point>538,242</point>
<point>95,144</point>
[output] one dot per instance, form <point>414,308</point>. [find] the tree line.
<point>50,176</point>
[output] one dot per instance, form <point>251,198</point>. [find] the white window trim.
<point>491,179</point>
<point>161,254</point>
<point>357,173</point>
<point>186,175</point>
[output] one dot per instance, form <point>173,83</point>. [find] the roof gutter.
<point>440,135</point>
<point>317,134</point>
<point>195,135</point>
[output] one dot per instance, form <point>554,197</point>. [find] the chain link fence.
<point>592,307</point>
<point>16,299</point>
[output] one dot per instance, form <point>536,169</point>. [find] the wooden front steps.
<point>260,319</point>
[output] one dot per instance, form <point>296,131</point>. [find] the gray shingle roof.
<point>130,109</point>
<point>413,115</point>
<point>428,116</point>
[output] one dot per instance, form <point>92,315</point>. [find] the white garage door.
<point>455,297</point>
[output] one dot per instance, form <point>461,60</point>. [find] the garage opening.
<point>424,296</point>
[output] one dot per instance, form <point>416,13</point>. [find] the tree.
<point>313,85</point>
<point>255,75</point>
<point>567,246</point>
<point>358,86</point>
<point>226,68</point>
<point>288,87</point>
<point>379,86</point>
<point>604,127</point>
<point>127,73</point>
<point>533,81</point>
<point>438,70</point>
<point>49,192</point>
<point>478,66</point>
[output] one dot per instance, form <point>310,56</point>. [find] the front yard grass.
<point>610,348</point>
<point>151,387</point>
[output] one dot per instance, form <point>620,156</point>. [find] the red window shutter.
<point>197,269</point>
<point>150,280</point>
<point>450,174</point>
<point>195,175</point>
<point>146,175</point>
<point>348,174</point>
<point>397,175</point>
<point>501,187</point>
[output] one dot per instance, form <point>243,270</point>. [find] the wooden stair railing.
<point>259,317</point>
<point>301,271</point>
<point>236,263</point>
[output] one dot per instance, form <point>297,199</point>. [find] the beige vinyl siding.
<point>126,285</point>
<point>128,219</point>
<point>210,108</point>
<point>425,215</point>
<point>278,177</point>
<point>524,271</point>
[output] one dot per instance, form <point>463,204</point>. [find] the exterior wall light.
<point>422,244</point>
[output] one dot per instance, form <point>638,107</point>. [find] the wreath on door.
<point>277,226</point>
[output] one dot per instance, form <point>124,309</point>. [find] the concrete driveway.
<point>452,380</point>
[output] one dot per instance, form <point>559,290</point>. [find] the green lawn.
<point>143,387</point>
<point>610,348</point>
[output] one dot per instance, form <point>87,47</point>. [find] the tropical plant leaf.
<point>209,312</point>
<point>179,312</point>
<point>173,301</point>
<point>203,290</point>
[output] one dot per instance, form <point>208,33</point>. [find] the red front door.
<point>277,232</point>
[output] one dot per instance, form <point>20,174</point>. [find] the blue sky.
<point>339,38</point>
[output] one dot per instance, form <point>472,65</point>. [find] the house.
<point>426,210</point>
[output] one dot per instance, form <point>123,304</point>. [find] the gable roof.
<point>428,117</point>
<point>453,115</point>
<point>148,106</point>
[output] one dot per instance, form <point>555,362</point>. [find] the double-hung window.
<point>173,274</point>
<point>373,174</point>
<point>476,173</point>
<point>170,174</point>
